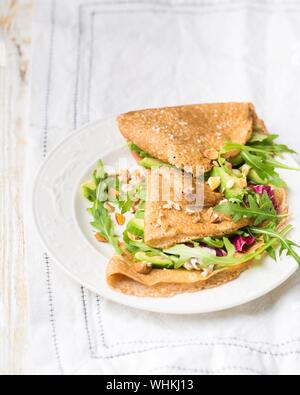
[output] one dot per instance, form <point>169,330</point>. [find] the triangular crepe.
<point>175,218</point>
<point>190,136</point>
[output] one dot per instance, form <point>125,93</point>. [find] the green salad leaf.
<point>259,208</point>
<point>267,143</point>
<point>285,245</point>
<point>103,223</point>
<point>100,173</point>
<point>213,242</point>
<point>259,154</point>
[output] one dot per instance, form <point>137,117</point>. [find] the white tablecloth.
<point>94,59</point>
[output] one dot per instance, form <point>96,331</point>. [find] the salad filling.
<point>252,190</point>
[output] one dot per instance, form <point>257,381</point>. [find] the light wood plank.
<point>15,28</point>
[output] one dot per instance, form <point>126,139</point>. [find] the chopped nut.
<point>242,183</point>
<point>142,267</point>
<point>230,183</point>
<point>177,206</point>
<point>245,169</point>
<point>215,218</point>
<point>229,165</point>
<point>211,154</point>
<point>211,216</point>
<point>135,206</point>
<point>101,238</point>
<point>214,183</point>
<point>188,266</point>
<point>109,207</point>
<point>208,271</point>
<point>133,237</point>
<point>120,218</point>
<point>171,205</point>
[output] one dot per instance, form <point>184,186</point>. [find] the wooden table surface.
<point>15,41</point>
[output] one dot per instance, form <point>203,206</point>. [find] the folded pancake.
<point>122,277</point>
<point>190,136</point>
<point>164,283</point>
<point>177,218</point>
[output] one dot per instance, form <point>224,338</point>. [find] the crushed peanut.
<point>211,216</point>
<point>120,218</point>
<point>101,238</point>
<point>142,267</point>
<point>211,154</point>
<point>171,205</point>
<point>109,207</point>
<point>242,183</point>
<point>245,169</point>
<point>214,183</point>
<point>133,237</point>
<point>135,206</point>
<point>208,271</point>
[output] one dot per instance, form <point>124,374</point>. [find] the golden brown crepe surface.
<point>181,135</point>
<point>165,227</point>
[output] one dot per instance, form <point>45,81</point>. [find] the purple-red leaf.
<point>242,243</point>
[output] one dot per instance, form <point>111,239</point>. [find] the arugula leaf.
<point>267,143</point>
<point>263,169</point>
<point>126,206</point>
<point>88,190</point>
<point>260,209</point>
<point>211,242</point>
<point>258,138</point>
<point>136,246</point>
<point>230,248</point>
<point>278,165</point>
<point>101,192</point>
<point>103,223</point>
<point>100,173</point>
<point>259,154</point>
<point>286,245</point>
<point>266,158</point>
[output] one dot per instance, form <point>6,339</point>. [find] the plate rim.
<point>117,297</point>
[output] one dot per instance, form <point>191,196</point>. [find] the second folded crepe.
<point>173,215</point>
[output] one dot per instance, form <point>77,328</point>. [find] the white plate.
<point>63,224</point>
